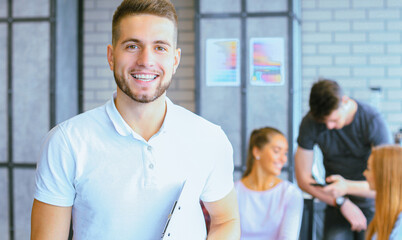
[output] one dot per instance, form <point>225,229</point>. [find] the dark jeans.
<point>336,227</point>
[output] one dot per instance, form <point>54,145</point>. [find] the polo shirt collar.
<point>124,129</point>
<point>168,121</point>
<point>118,122</point>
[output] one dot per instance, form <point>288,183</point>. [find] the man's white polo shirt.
<point>123,187</point>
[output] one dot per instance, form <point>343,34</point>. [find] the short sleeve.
<point>378,131</point>
<point>220,180</point>
<point>55,171</point>
<point>306,138</point>
<point>291,221</point>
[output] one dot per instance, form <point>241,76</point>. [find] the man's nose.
<point>146,57</point>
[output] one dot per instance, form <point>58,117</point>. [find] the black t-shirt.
<point>346,150</point>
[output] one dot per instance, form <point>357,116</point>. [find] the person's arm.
<point>49,222</point>
<point>225,220</point>
<point>303,165</point>
<point>340,187</point>
<point>291,221</point>
<point>354,215</point>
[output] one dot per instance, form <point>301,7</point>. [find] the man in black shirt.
<point>345,130</point>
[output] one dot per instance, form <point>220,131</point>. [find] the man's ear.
<point>110,56</point>
<point>177,56</point>
<point>345,104</point>
<point>345,99</point>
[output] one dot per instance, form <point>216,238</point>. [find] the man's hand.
<point>338,186</point>
<point>354,215</point>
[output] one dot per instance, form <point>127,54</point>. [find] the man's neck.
<point>144,118</point>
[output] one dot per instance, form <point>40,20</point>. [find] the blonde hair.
<point>386,164</point>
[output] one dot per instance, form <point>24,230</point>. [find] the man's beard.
<point>123,85</point>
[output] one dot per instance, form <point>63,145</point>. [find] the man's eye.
<point>132,47</point>
<point>160,48</point>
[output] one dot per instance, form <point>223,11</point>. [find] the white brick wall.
<point>98,79</point>
<point>358,43</point>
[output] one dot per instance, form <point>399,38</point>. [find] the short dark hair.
<point>258,138</point>
<point>325,97</point>
<point>160,8</point>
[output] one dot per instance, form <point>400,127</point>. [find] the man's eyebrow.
<point>134,40</point>
<point>131,40</point>
<point>162,42</point>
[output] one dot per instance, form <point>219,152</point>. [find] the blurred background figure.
<point>345,129</point>
<point>270,208</point>
<point>384,175</point>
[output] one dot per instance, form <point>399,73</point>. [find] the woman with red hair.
<point>384,175</point>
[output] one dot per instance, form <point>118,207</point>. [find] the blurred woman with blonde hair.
<point>270,208</point>
<point>384,175</point>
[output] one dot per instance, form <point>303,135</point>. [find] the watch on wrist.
<point>339,201</point>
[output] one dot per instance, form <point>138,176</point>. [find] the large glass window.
<point>27,62</point>
<point>30,88</point>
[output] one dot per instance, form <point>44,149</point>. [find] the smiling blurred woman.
<point>384,174</point>
<point>270,208</point>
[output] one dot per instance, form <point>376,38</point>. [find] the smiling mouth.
<point>144,77</point>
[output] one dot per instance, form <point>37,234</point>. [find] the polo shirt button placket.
<point>150,166</point>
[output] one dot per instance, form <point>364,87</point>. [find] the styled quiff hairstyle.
<point>325,97</point>
<point>160,8</point>
<point>386,165</point>
<point>258,138</point>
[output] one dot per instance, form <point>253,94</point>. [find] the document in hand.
<point>185,220</point>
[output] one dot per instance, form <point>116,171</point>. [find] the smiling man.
<point>119,168</point>
<point>345,130</point>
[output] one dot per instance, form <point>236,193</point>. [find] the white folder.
<point>183,221</point>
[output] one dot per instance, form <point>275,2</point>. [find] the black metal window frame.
<point>9,163</point>
<point>243,15</point>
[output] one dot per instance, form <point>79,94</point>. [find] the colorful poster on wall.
<point>267,61</point>
<point>222,62</point>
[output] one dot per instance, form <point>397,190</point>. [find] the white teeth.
<point>145,77</point>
